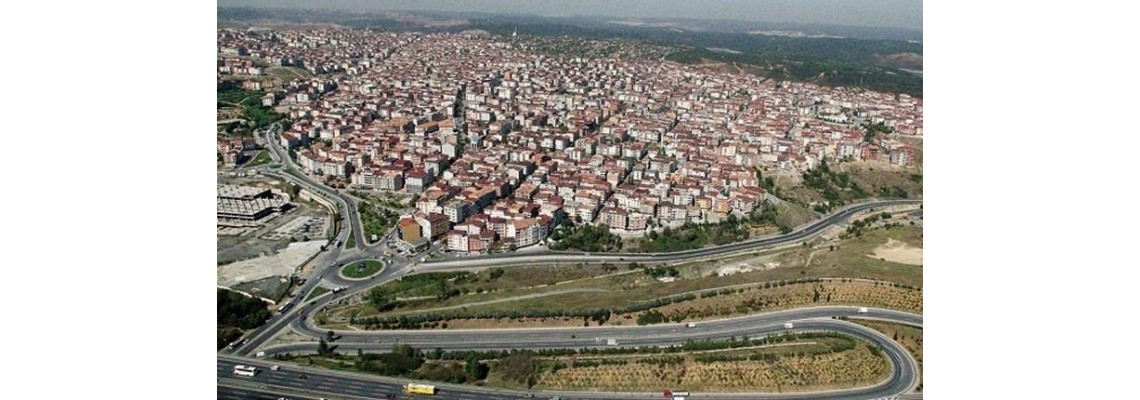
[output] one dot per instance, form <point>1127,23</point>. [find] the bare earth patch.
<point>900,252</point>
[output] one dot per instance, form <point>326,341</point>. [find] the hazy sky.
<point>882,13</point>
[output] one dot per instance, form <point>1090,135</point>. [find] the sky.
<point>874,13</point>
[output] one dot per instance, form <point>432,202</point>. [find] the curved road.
<point>347,205</point>
<point>904,374</point>
<point>403,266</point>
<point>812,319</point>
<point>530,258</point>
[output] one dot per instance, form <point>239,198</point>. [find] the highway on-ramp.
<point>317,383</point>
<point>903,376</point>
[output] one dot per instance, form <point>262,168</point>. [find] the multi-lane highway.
<point>316,383</point>
<point>402,266</point>
<point>815,319</point>
<point>582,337</point>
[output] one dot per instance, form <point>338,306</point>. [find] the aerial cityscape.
<point>462,205</point>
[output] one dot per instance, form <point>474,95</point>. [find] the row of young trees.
<point>599,315</point>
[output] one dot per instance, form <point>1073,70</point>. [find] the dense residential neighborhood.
<point>500,143</point>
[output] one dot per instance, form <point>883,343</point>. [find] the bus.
<point>285,307</point>
<point>245,370</point>
<point>415,388</point>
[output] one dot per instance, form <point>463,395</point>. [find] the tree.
<point>475,368</point>
<point>380,299</point>
<point>331,336</point>
<point>323,348</point>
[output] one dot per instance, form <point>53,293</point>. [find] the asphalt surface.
<point>402,266</point>
<point>647,335</point>
<point>346,204</point>
<point>903,376</point>
<point>228,391</point>
<point>547,256</point>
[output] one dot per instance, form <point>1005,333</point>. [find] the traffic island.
<point>362,269</point>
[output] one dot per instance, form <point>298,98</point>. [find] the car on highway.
<point>275,368</point>
<point>862,310</point>
<point>789,325</point>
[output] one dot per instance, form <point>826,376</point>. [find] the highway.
<point>815,319</point>
<point>235,390</point>
<point>296,317</point>
<point>582,337</point>
<point>402,266</point>
<point>538,257</point>
<point>903,378</point>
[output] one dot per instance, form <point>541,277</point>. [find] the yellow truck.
<point>415,388</point>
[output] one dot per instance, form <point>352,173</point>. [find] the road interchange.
<point>903,376</point>
<point>815,319</point>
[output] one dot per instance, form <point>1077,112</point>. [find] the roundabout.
<point>363,269</point>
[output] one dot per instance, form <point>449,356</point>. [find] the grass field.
<point>262,157</point>
<point>351,243</point>
<point>620,286</point>
<point>849,258</point>
<point>371,267</point>
<point>741,301</point>
<point>875,177</point>
<point>288,73</point>
<point>789,214</point>
<point>319,290</point>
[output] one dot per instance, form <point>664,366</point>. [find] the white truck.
<point>611,342</point>
<point>862,310</point>
<point>788,325</point>
<point>691,325</point>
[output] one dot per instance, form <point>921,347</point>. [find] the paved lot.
<point>283,263</point>
<point>311,226</point>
